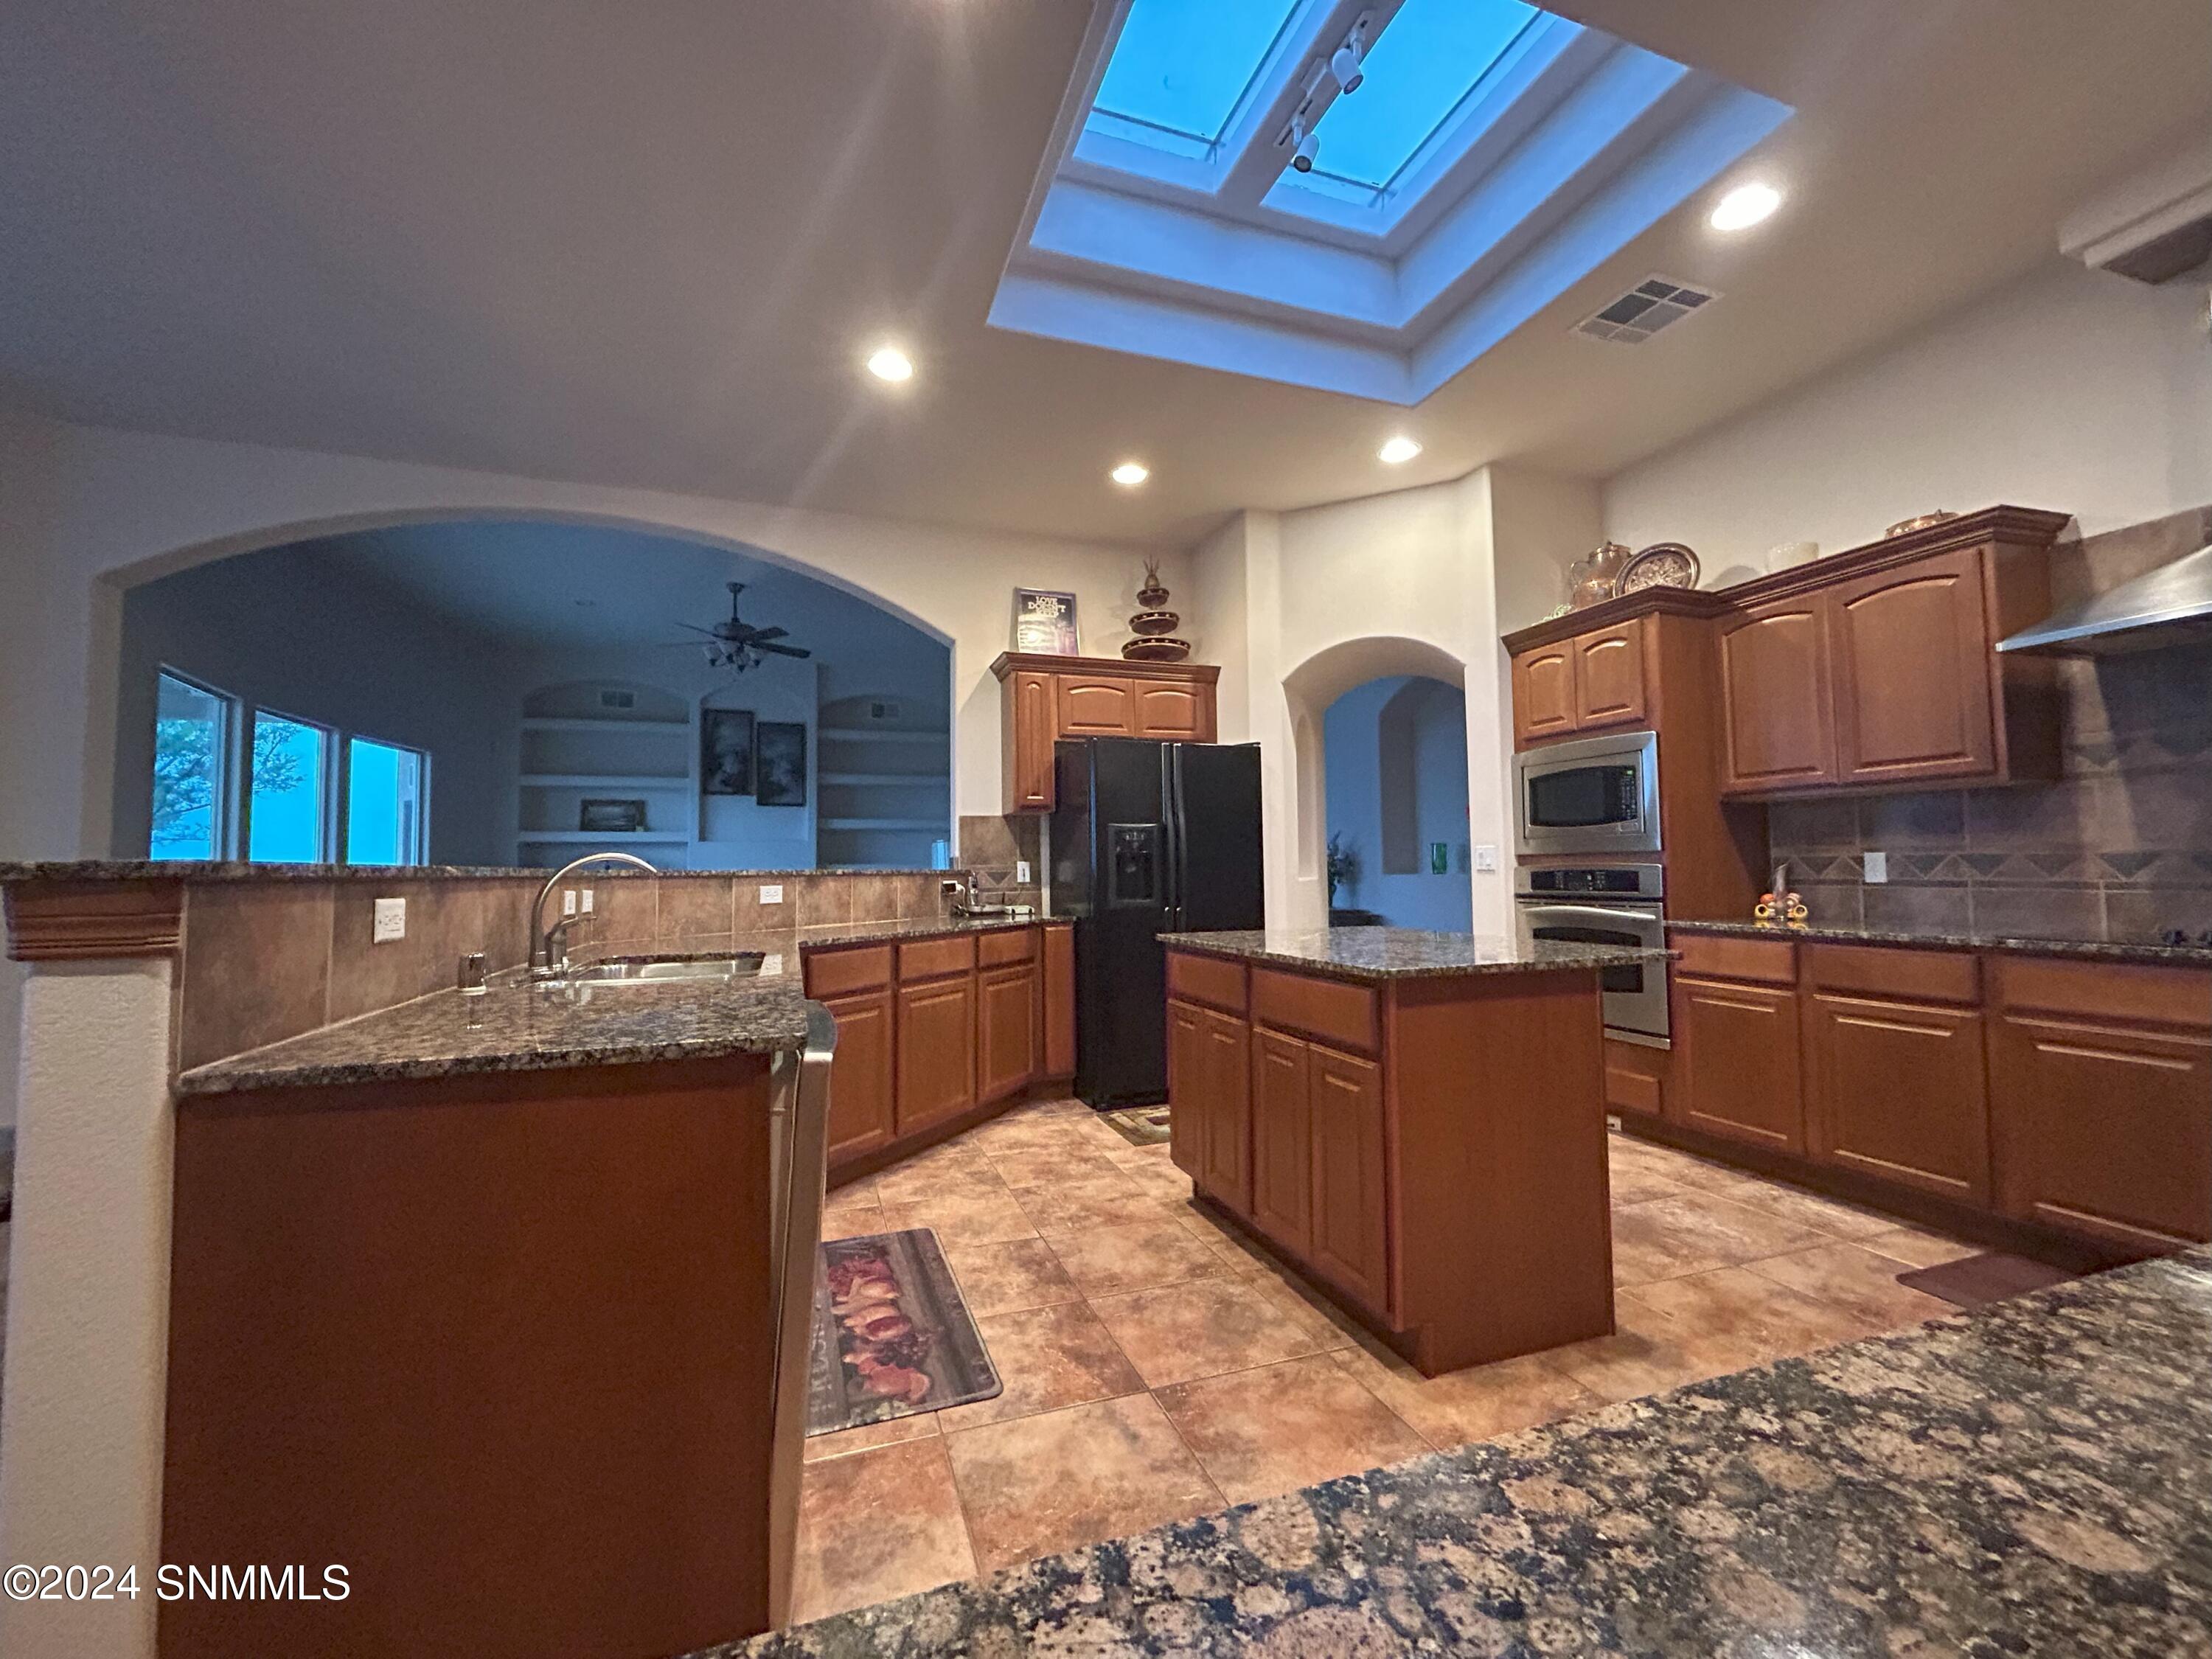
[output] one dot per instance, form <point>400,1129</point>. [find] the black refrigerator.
<point>1148,838</point>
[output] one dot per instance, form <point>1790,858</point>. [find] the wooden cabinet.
<point>1609,677</point>
<point>1738,1042</point>
<point>1188,1107</point>
<point>1282,1139</point>
<point>1544,694</point>
<point>1778,723</point>
<point>936,1051</point>
<point>860,1082</point>
<point>1044,699</point>
<point>1209,1093</point>
<point>1006,1037</point>
<point>1350,1226</point>
<point>1899,1090</point>
<point>1057,988</point>
<point>1913,666</point>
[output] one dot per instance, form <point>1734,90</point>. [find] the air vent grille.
<point>1645,309</point>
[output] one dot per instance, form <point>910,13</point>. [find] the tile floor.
<point>1157,1368</point>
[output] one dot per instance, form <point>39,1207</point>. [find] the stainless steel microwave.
<point>1595,795</point>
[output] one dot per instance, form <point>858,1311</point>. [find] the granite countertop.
<point>2032,1479</point>
<point>874,932</point>
<point>1384,953</point>
<point>2173,955</point>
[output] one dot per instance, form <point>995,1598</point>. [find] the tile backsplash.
<point>2119,847</point>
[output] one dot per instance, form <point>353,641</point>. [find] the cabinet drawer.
<point>1340,1014</point>
<point>836,973</point>
<point>932,958</point>
<point>1723,956</point>
<point>1014,945</point>
<point>1906,975</point>
<point>1636,1078</point>
<point>2106,990</point>
<point>1206,979</point>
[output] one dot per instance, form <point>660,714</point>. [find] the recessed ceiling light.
<point>889,363</point>
<point>1130,474</point>
<point>1745,206</point>
<point>1398,451</point>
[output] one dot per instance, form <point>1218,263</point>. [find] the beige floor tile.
<point>1084,1206</point>
<point>1239,1253</point>
<point>1695,1232</point>
<point>926,1183</point>
<point>1158,1178</point>
<point>876,1525</point>
<point>1478,1403</point>
<point>1648,1353</point>
<point>1918,1248</point>
<point>967,1217</point>
<point>1261,1433</point>
<point>1040,1485</point>
<point>1634,1182</point>
<point>1825,1215</point>
<point>1004,1135</point>
<point>1032,1166</point>
<point>860,1191</point>
<point>1008,1277</point>
<point>1858,1280</point>
<point>1179,1332</point>
<point>1048,1358</point>
<point>1740,1304</point>
<point>1326,1323</point>
<point>1109,1260</point>
<point>850,1218</point>
<point>917,1426</point>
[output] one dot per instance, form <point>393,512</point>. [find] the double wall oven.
<point>1590,811</point>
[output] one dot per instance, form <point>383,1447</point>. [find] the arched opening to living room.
<point>514,692</point>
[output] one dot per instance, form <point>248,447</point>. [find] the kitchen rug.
<point>1974,1281</point>
<point>892,1333</point>
<point>1140,1125</point>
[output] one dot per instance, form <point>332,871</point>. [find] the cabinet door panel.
<point>1351,1228</point>
<point>1175,709</point>
<point>1911,655</point>
<point>1228,1141</point>
<point>1059,1001</point>
<point>1543,693</point>
<point>1006,1035</point>
<point>860,1075</point>
<point>1032,725</point>
<point>1609,677</point>
<point>1741,1043</point>
<point>1899,1090</point>
<point>1096,706</point>
<point>1190,1086</point>
<point>1776,703</point>
<point>1282,1140</point>
<point>936,1051</point>
<point>2104,1131</point>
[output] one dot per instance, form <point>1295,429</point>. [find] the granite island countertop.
<point>2170,956</point>
<point>2032,1479</point>
<point>517,1027</point>
<point>1387,953</point>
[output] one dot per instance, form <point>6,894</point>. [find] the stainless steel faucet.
<point>545,942</point>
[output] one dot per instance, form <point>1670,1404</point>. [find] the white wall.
<point>2073,390</point>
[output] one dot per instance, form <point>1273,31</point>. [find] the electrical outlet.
<point>1021,873</point>
<point>391,923</point>
<point>771,964</point>
<point>567,901</point>
<point>588,901</point>
<point>1486,857</point>
<point>1877,867</point>
<point>771,892</point>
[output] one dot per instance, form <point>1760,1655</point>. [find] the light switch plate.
<point>771,892</point>
<point>567,901</point>
<point>1877,866</point>
<point>1021,873</point>
<point>588,901</point>
<point>391,923</point>
<point>771,964</point>
<point>1486,857</point>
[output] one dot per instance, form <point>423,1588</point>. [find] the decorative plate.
<point>1662,564</point>
<point>1907,526</point>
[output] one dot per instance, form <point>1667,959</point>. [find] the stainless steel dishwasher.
<point>798,1160</point>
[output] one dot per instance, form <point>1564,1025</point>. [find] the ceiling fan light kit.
<point>736,645</point>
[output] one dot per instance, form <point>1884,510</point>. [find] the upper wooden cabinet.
<point>1044,699</point>
<point>1877,668</point>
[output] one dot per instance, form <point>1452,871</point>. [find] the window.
<point>193,728</point>
<point>384,803</point>
<point>1180,71</point>
<point>287,818</point>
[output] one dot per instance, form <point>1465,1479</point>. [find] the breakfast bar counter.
<point>1414,1121</point>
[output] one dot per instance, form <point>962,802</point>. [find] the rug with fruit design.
<point>892,1333</point>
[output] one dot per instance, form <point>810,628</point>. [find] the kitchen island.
<point>1414,1121</point>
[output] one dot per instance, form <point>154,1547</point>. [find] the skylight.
<point>1181,68</point>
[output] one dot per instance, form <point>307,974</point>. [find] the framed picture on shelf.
<point>725,751</point>
<point>781,763</point>
<point>1044,623</point>
<point>610,818</point>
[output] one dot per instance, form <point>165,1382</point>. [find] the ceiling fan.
<point>736,645</point>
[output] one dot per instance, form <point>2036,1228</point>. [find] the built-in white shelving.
<point>594,740</point>
<point>885,790</point>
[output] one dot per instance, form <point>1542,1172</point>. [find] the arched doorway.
<point>1396,805</point>
<point>512,691</point>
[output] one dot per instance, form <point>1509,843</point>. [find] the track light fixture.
<point>1344,63</point>
<point>1304,145</point>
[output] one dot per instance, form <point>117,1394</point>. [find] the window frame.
<point>223,843</point>
<point>421,850</point>
<point>329,839</point>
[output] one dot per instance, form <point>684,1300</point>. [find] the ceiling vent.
<point>1645,309</point>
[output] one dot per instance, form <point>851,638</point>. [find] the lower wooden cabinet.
<point>1188,1107</point>
<point>1899,1090</point>
<point>860,1120</point>
<point>1350,1233</point>
<point>1057,988</point>
<point>1282,1139</point>
<point>1006,1037</point>
<point>1738,1042</point>
<point>1209,1092</point>
<point>936,1051</point>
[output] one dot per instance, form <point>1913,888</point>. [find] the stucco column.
<point>81,1435</point>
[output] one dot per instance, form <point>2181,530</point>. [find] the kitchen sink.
<point>659,970</point>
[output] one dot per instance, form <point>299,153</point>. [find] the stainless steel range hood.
<point>2170,605</point>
